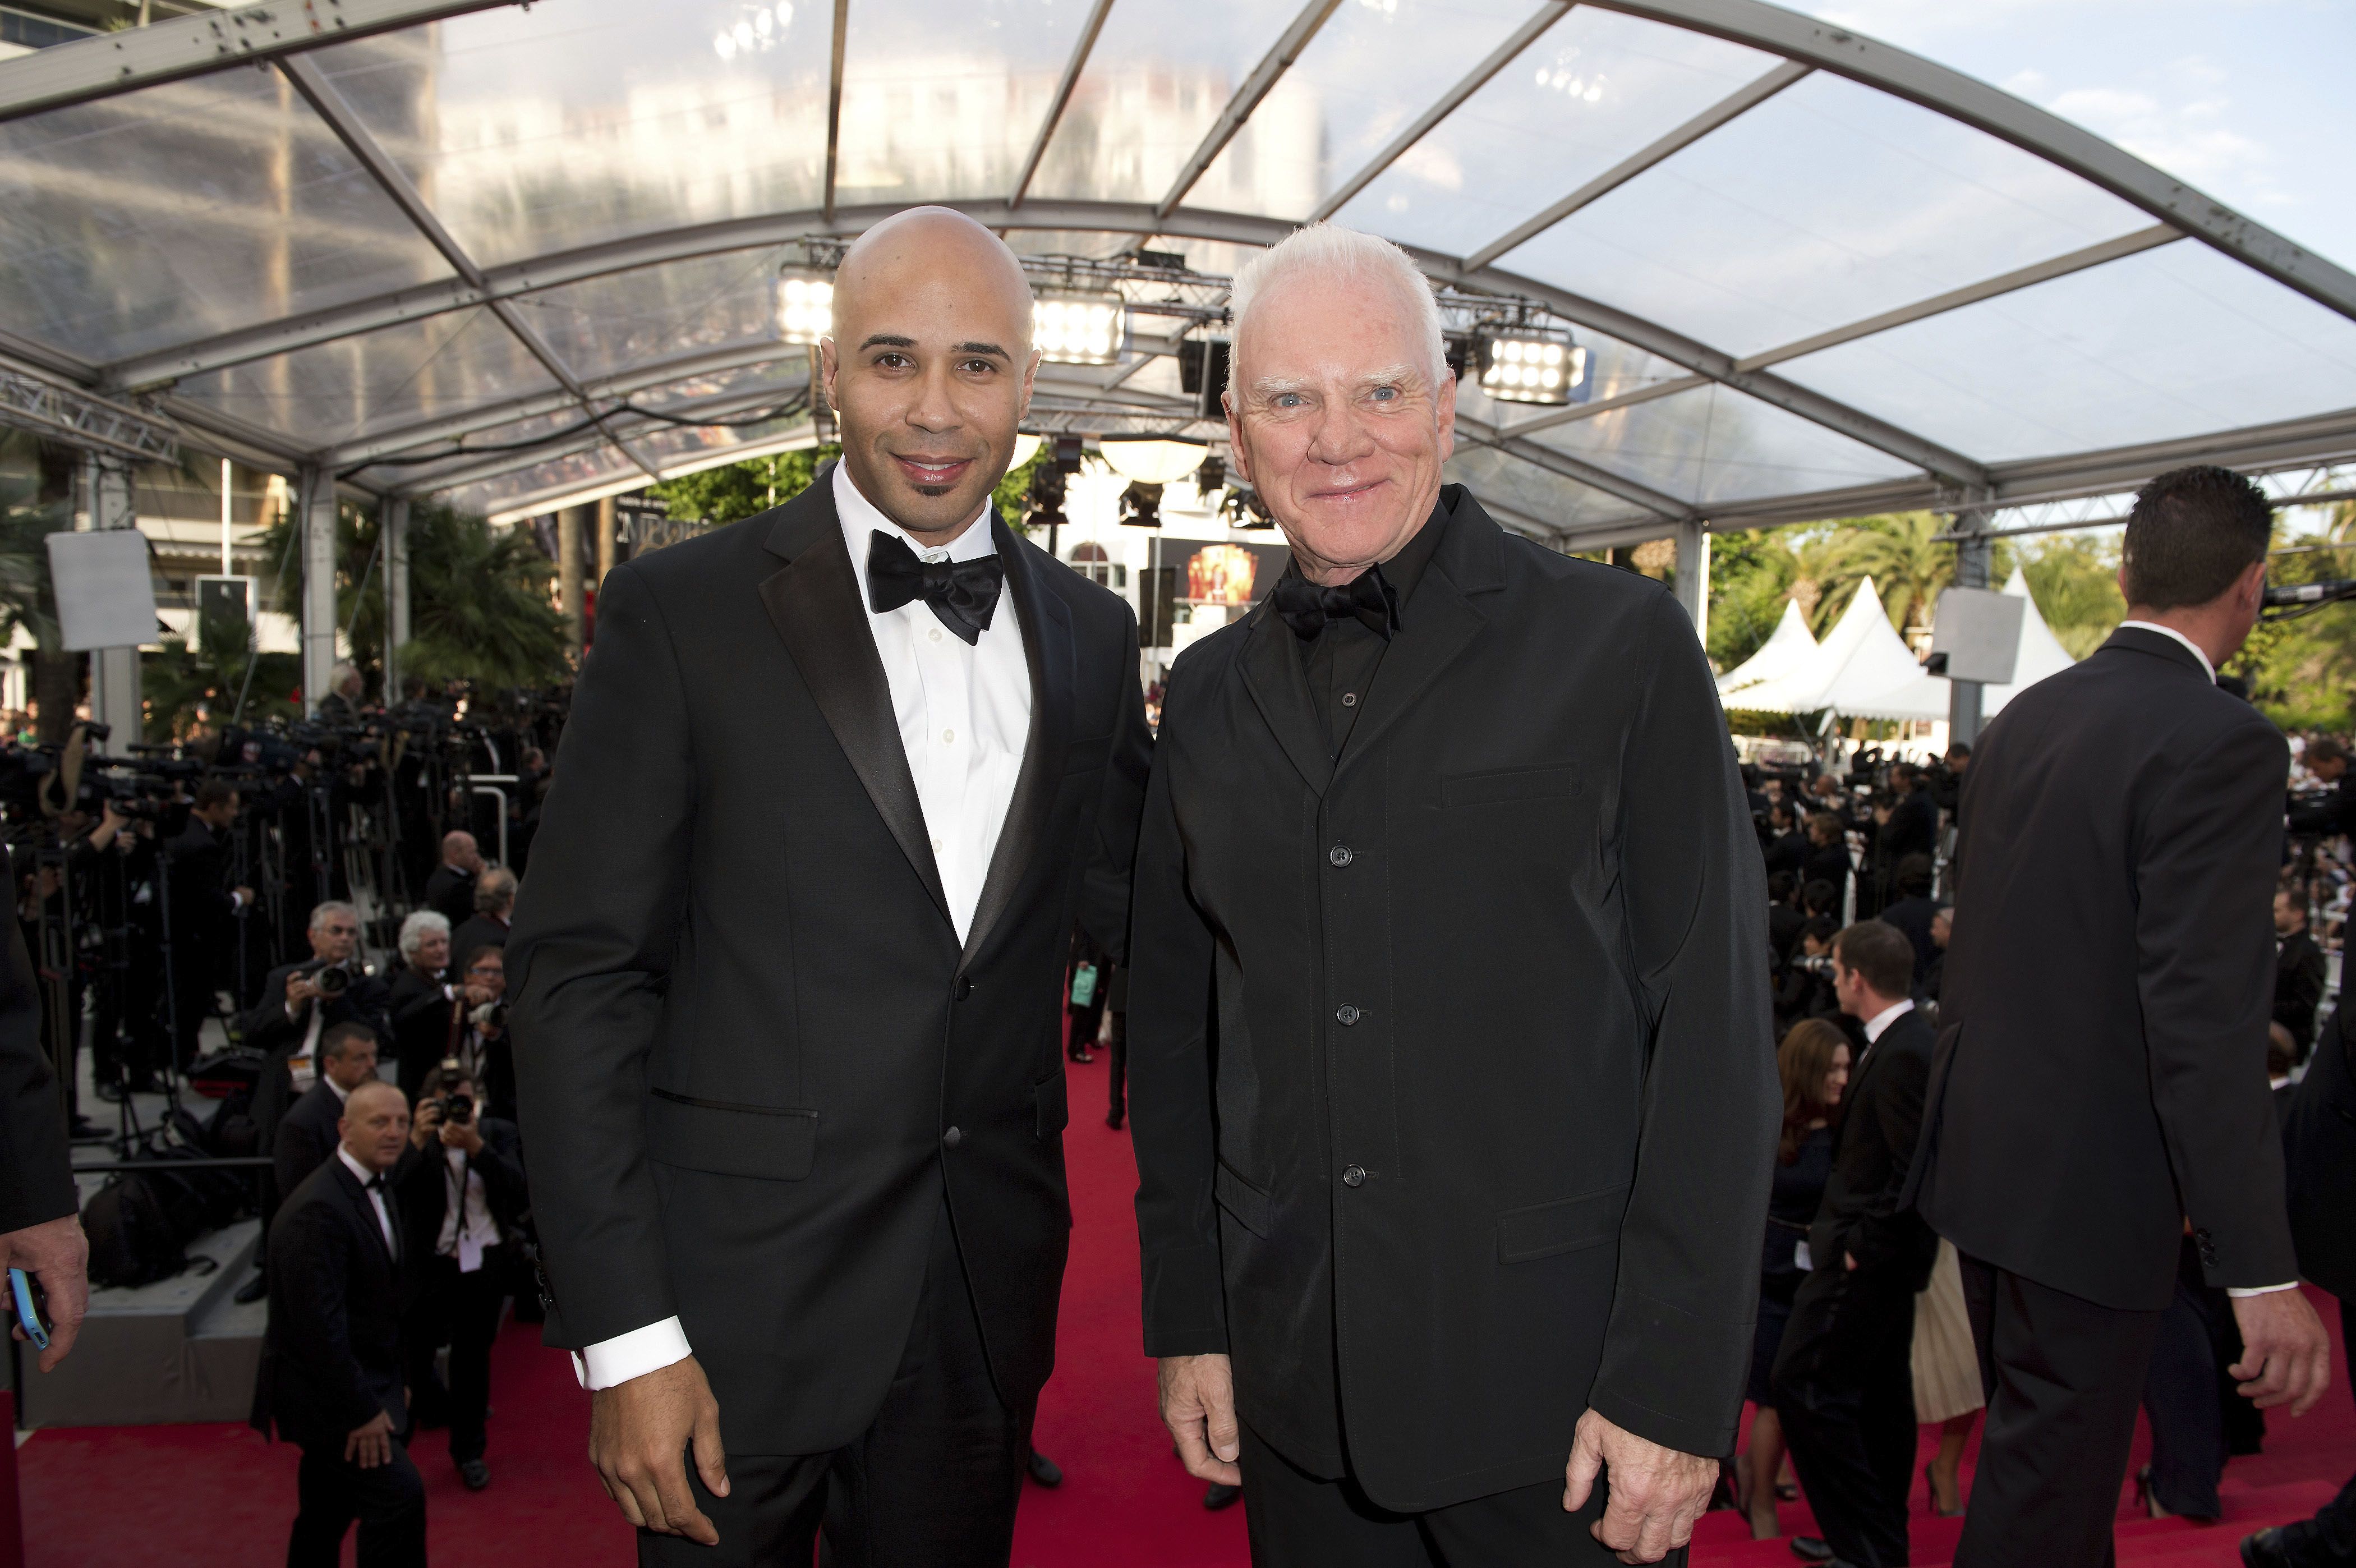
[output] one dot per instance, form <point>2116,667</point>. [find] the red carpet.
<point>218,1497</point>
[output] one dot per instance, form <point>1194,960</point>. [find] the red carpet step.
<point>219,1497</point>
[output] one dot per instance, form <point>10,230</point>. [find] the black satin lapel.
<point>1048,648</point>
<point>1273,676</point>
<point>814,604</point>
<point>1442,621</point>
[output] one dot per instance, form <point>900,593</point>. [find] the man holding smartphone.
<point>40,1222</point>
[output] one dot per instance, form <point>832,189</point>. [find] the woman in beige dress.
<point>1946,1377</point>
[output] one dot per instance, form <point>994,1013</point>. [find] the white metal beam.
<point>125,62</point>
<point>1257,86</point>
<point>834,99</point>
<point>1073,66</point>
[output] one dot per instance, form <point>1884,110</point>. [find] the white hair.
<point>1329,249</point>
<point>320,912</point>
<point>413,929</point>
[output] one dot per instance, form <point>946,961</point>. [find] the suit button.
<point>1341,855</point>
<point>952,1138</point>
<point>964,987</point>
<point>1353,1176</point>
<point>1345,1016</point>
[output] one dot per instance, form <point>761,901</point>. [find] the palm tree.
<point>28,598</point>
<point>1899,551</point>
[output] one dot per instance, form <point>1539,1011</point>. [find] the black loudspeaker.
<point>1203,374</point>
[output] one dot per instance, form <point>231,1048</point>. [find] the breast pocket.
<point>1508,784</point>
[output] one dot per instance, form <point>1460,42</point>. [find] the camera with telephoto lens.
<point>1815,963</point>
<point>457,1110</point>
<point>332,980</point>
<point>490,1016</point>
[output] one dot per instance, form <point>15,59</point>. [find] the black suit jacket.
<point>306,1136</point>
<point>265,1027</point>
<point>424,1187</point>
<point>37,1181</point>
<point>2319,1145</point>
<point>331,1356</point>
<point>2299,986</point>
<point>1531,1197</point>
<point>480,932</point>
<point>420,1026</point>
<point>2101,1074</point>
<point>1880,1123</point>
<point>451,892</point>
<point>750,1045</point>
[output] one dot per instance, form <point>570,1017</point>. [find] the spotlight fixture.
<point>805,307</point>
<point>1150,460</point>
<point>1533,365</point>
<point>1140,506</point>
<point>1026,447</point>
<point>1078,329</point>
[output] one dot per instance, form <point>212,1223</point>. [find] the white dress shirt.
<point>1879,1023</point>
<point>375,1196</point>
<point>467,1230</point>
<point>964,713</point>
<point>2206,668</point>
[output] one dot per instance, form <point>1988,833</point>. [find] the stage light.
<point>1533,365</point>
<point>1149,460</point>
<point>1078,329</point>
<point>805,307</point>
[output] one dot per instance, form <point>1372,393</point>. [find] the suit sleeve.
<point>1169,1081</point>
<point>310,1262</point>
<point>590,957</point>
<point>1677,1350</point>
<point>2205,960</point>
<point>35,1174</point>
<point>1887,1232</point>
<point>1106,881</point>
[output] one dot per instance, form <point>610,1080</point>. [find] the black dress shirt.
<point>1341,660</point>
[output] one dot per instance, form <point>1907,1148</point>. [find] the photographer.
<point>2298,971</point>
<point>204,908</point>
<point>461,1205</point>
<point>419,1003</point>
<point>478,1036</point>
<point>2336,813</point>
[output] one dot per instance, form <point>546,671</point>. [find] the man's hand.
<point>462,1135</point>
<point>370,1445</point>
<point>55,1252</point>
<point>427,1125</point>
<point>2285,1354</point>
<point>299,993</point>
<point>638,1436</point>
<point>1656,1493</point>
<point>1198,1406</point>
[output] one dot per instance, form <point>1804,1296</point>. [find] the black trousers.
<point>2184,1397</point>
<point>932,1481</point>
<point>1844,1385</point>
<point>462,1310</point>
<point>1119,1041</point>
<point>331,1492</point>
<point>1300,1520</point>
<point>2329,1540</point>
<point>2063,1376</point>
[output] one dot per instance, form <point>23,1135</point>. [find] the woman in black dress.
<point>1813,1062</point>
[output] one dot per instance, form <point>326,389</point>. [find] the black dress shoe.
<point>1113,1119</point>
<point>1811,1548</point>
<point>1045,1471</point>
<point>1083,1056</point>
<point>2265,1550</point>
<point>1217,1496</point>
<point>474,1473</point>
<point>253,1290</point>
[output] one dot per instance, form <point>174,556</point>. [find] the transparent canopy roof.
<point>519,257</point>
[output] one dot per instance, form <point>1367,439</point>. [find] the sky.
<point>2248,101</point>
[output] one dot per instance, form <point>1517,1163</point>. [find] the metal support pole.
<point>568,576</point>
<point>1692,574</point>
<point>114,672</point>
<point>396,592</point>
<point>1973,554</point>
<point>318,524</point>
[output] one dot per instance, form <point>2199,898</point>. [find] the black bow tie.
<point>961,594</point>
<point>1367,597</point>
<point>376,1182</point>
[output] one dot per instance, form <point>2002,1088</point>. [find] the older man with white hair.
<point>1454,1085</point>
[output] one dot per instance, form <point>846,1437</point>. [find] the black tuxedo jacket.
<point>422,1180</point>
<point>751,1047</point>
<point>1531,1195</point>
<point>2319,1145</point>
<point>265,1027</point>
<point>420,1016</point>
<point>1881,1122</point>
<point>451,892</point>
<point>331,1356</point>
<point>37,1181</point>
<point>306,1136</point>
<point>2101,1075</point>
<point>2299,986</point>
<point>480,931</point>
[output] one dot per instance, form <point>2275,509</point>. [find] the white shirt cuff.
<point>2258,1290</point>
<point>631,1355</point>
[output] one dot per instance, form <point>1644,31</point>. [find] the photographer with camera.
<point>204,909</point>
<point>419,1003</point>
<point>479,1034</point>
<point>463,1202</point>
<point>2336,813</point>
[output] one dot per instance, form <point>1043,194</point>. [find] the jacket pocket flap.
<point>1566,1225</point>
<point>1248,1203</point>
<point>1508,784</point>
<point>1054,1104</point>
<point>772,1142</point>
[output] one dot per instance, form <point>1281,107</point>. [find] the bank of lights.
<point>1533,369</point>
<point>805,309</point>
<point>1077,330</point>
<point>758,30</point>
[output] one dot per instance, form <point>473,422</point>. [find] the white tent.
<point>1924,696</point>
<point>1783,652</point>
<point>1860,658</point>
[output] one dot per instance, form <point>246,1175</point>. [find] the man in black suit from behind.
<point>2298,971</point>
<point>308,1134</point>
<point>1843,1380</point>
<point>331,1366</point>
<point>2100,1086</point>
<point>450,891</point>
<point>838,781</point>
<point>495,897</point>
<point>2320,1157</point>
<point>1912,912</point>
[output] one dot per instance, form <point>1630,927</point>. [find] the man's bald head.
<point>930,367</point>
